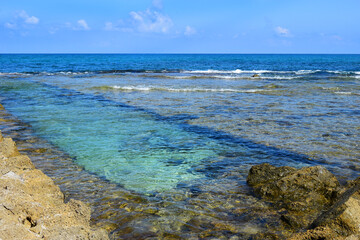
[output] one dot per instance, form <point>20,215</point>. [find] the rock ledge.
<point>32,206</point>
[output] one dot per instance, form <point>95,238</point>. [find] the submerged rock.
<point>305,189</point>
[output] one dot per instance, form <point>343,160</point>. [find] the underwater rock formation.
<point>307,189</point>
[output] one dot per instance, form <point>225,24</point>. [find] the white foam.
<point>151,88</point>
<point>302,72</point>
<point>13,74</point>
<point>344,93</point>
<point>225,77</point>
<point>279,77</point>
<point>130,88</point>
<point>237,71</point>
<point>209,71</point>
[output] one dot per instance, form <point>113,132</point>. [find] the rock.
<point>32,206</point>
<point>350,218</point>
<point>304,194</point>
<point>256,75</point>
<point>321,233</point>
<point>344,216</point>
<point>8,148</point>
<point>264,173</point>
<point>306,189</point>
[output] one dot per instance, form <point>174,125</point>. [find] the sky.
<point>174,26</point>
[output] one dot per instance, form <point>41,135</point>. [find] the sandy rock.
<point>32,206</point>
<point>321,233</point>
<point>347,222</point>
<point>8,148</point>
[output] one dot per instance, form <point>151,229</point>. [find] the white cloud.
<point>28,19</point>
<point>189,31</point>
<point>109,26</point>
<point>32,20</point>
<point>118,26</point>
<point>10,25</point>
<point>82,25</point>
<point>21,20</point>
<point>283,32</point>
<point>151,21</point>
<point>337,37</point>
<point>331,37</point>
<point>157,4</point>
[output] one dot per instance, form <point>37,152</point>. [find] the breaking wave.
<point>165,89</point>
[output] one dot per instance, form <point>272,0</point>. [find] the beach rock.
<point>8,147</point>
<point>265,173</point>
<point>310,198</point>
<point>345,225</point>
<point>343,218</point>
<point>256,75</point>
<point>32,206</point>
<point>306,189</point>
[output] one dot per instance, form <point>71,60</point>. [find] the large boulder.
<point>341,222</point>
<point>306,189</point>
<point>310,199</point>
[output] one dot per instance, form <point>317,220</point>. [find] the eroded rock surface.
<point>310,198</point>
<point>305,189</point>
<point>32,206</point>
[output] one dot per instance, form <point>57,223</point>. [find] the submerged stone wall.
<point>32,206</point>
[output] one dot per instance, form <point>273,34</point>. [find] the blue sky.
<point>173,26</point>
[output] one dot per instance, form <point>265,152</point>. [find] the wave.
<point>344,93</point>
<point>165,89</point>
<point>229,77</point>
<point>237,71</point>
<point>195,74</point>
<point>347,93</point>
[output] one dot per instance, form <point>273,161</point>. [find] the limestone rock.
<point>264,173</point>
<point>310,195</point>
<point>32,206</point>
<point>8,148</point>
<point>305,189</point>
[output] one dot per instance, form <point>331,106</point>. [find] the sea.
<point>160,145</point>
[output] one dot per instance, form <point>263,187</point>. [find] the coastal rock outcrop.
<point>305,189</point>
<point>32,206</point>
<point>310,199</point>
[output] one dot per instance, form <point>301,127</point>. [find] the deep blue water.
<point>169,124</point>
<point>174,62</point>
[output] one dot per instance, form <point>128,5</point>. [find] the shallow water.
<point>160,145</point>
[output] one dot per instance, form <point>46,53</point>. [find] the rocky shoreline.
<point>307,203</point>
<point>32,206</point>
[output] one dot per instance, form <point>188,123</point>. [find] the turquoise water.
<point>139,149</point>
<point>188,125</point>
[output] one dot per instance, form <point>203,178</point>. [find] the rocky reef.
<point>310,201</point>
<point>32,206</point>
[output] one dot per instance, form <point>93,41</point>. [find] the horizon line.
<point>174,53</point>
